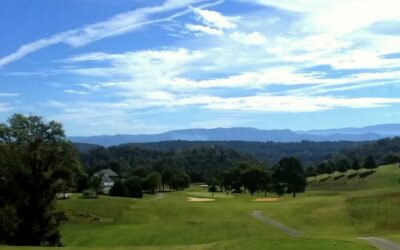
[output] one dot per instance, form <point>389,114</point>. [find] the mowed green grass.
<point>332,211</point>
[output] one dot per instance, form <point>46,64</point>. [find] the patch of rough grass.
<point>375,213</point>
<point>76,217</point>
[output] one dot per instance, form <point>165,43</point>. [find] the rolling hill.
<point>333,215</point>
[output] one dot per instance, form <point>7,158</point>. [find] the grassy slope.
<point>331,211</point>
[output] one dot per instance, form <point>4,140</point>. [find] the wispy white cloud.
<point>253,38</point>
<point>212,22</point>
<point>241,64</point>
<point>257,103</point>
<point>76,92</point>
<point>215,19</point>
<point>5,107</point>
<point>9,94</point>
<point>297,103</point>
<point>341,16</point>
<point>117,25</point>
<point>176,69</point>
<point>203,29</point>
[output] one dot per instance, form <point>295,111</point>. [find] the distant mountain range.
<point>369,133</point>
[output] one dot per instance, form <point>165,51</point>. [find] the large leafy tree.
<point>153,182</point>
<point>290,174</point>
<point>180,181</point>
<point>255,179</point>
<point>133,187</point>
<point>36,163</point>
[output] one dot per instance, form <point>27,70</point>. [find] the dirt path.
<point>381,243</point>
<point>283,228</point>
<point>158,196</point>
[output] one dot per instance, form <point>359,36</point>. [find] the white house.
<point>108,177</point>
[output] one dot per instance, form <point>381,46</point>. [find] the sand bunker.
<point>199,199</point>
<point>267,199</point>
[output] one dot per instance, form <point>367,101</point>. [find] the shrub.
<point>133,187</point>
<point>118,189</point>
<point>212,189</point>
<point>89,193</point>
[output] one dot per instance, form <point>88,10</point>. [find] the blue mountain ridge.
<point>369,133</point>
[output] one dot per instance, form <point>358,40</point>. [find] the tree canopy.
<point>36,163</point>
<point>290,174</point>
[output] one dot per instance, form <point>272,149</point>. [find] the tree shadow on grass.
<point>324,179</point>
<point>350,176</point>
<point>311,181</point>
<point>366,174</point>
<point>338,177</point>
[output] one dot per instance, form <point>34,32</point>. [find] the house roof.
<point>105,178</point>
<point>106,172</point>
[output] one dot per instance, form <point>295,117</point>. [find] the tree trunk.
<point>265,194</point>
<point>294,194</point>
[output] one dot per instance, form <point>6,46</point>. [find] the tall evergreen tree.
<point>330,167</point>
<point>370,162</point>
<point>343,165</point>
<point>356,165</point>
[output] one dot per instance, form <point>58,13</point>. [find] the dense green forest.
<point>368,155</point>
<point>199,162</point>
<point>309,153</point>
<point>386,151</point>
<point>221,168</point>
<point>203,159</point>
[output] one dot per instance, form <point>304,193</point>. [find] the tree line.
<point>341,164</point>
<point>222,168</point>
<point>368,156</point>
<point>197,162</point>
<point>287,176</point>
<point>308,152</point>
<point>135,185</point>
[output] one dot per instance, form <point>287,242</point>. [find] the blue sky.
<point>139,66</point>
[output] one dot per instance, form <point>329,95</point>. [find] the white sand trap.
<point>199,199</point>
<point>267,199</point>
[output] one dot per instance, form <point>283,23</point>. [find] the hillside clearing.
<point>328,218</point>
